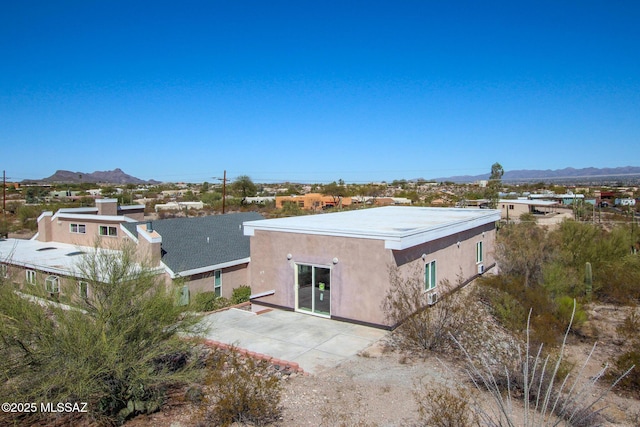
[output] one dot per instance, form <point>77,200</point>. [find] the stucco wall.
<point>60,232</point>
<point>360,278</point>
<point>232,277</point>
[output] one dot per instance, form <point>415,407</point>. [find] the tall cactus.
<point>588,280</point>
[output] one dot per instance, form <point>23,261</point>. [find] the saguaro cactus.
<point>588,280</point>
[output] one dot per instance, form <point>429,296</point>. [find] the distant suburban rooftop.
<point>529,202</point>
<point>400,227</point>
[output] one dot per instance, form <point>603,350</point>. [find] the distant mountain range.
<point>566,174</point>
<point>116,176</point>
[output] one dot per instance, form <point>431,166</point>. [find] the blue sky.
<point>317,91</point>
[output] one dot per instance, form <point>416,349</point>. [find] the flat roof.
<point>548,203</point>
<point>400,227</point>
<point>51,257</point>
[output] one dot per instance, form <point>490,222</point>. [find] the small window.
<point>78,228</point>
<point>430,275</point>
<point>217,282</point>
<point>83,289</point>
<point>52,284</point>
<point>479,253</point>
<point>108,231</point>
<point>31,277</point>
<point>4,271</point>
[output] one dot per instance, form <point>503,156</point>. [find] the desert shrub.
<point>421,326</point>
<point>241,294</point>
<point>522,249</point>
<point>240,389</point>
<point>621,283</point>
<point>209,301</point>
<point>630,325</point>
<point>510,301</point>
<point>445,405</point>
<point>631,381</point>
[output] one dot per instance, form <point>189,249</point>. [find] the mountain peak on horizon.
<point>116,176</point>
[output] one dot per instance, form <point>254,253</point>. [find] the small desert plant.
<point>549,396</point>
<point>240,389</point>
<point>209,301</point>
<point>241,294</point>
<point>445,405</point>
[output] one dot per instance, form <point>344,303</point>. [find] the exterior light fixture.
<point>335,260</point>
<point>424,257</point>
<point>289,256</point>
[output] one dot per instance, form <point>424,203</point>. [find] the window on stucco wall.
<point>217,282</point>
<point>430,275</point>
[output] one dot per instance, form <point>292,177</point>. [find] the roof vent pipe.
<point>149,226</point>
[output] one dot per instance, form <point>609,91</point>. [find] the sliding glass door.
<point>313,285</point>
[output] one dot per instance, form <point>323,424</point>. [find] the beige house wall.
<point>513,210</point>
<point>232,277</point>
<point>60,231</point>
<point>360,277</point>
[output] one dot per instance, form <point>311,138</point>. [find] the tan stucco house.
<point>336,265</point>
<point>208,253</point>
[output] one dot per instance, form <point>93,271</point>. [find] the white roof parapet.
<point>400,227</point>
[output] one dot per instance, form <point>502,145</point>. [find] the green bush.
<point>241,294</point>
<point>209,301</point>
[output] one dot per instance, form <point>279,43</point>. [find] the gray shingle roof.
<point>199,242</point>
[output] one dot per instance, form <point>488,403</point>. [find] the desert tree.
<point>495,185</point>
<point>244,187</point>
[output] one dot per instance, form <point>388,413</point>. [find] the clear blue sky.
<point>316,91</point>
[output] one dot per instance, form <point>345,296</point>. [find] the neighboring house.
<point>209,253</point>
<point>336,265</point>
<point>511,209</point>
<point>85,226</point>
<point>312,201</point>
<point>205,254</point>
<point>565,199</point>
<point>178,206</point>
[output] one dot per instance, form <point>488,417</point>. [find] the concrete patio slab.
<point>315,343</point>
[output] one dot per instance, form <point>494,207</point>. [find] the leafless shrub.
<point>445,405</point>
<point>240,389</point>
<point>421,326</point>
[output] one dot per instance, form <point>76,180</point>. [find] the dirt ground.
<point>376,387</point>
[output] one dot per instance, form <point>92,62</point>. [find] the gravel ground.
<point>376,388</point>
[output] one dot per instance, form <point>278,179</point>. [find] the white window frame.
<point>4,271</point>
<point>217,282</point>
<point>479,252</point>
<point>77,228</point>
<point>105,230</point>
<point>84,294</point>
<point>52,284</point>
<point>31,277</point>
<point>430,276</point>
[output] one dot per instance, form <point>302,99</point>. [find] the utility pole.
<point>224,189</point>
